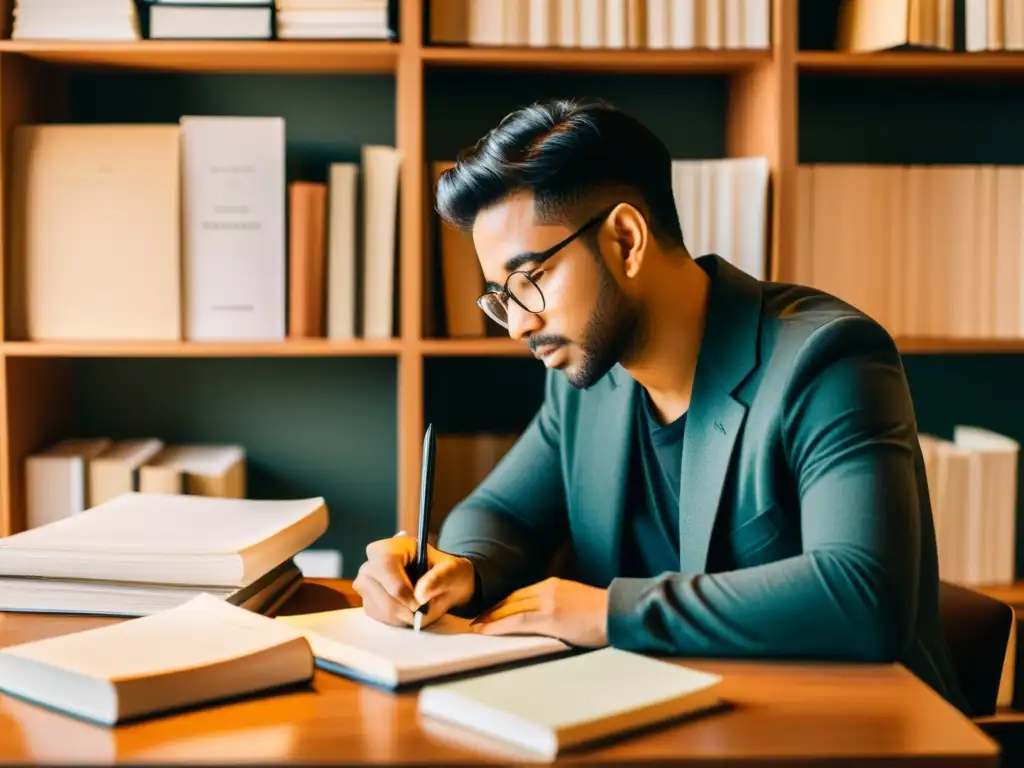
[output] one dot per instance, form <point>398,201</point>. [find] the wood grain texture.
<point>286,348</point>
<point>274,56</point>
<point>813,714</point>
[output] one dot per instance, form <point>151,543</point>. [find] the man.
<point>734,464</point>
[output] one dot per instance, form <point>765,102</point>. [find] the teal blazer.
<point>805,528</point>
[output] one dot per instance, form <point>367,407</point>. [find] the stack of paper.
<point>78,20</point>
<point>140,553</point>
<point>333,19</point>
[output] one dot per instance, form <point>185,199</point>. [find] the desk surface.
<point>823,714</point>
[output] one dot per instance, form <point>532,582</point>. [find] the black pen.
<point>426,495</point>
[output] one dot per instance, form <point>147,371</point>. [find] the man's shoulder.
<point>802,325</point>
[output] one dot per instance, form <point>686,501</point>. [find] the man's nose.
<point>521,322</point>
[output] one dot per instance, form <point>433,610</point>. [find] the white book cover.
<point>234,211</point>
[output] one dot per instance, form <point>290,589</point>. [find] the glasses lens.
<point>494,308</point>
<point>526,292</point>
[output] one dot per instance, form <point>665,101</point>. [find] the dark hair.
<point>573,155</point>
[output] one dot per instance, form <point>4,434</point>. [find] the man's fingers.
<point>526,623</point>
<point>382,606</point>
<point>522,599</point>
<point>435,582</point>
<point>395,581</point>
<point>508,608</point>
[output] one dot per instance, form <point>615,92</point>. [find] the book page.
<point>167,524</point>
<point>204,631</point>
<point>450,639</point>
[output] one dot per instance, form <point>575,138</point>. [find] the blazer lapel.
<point>715,417</point>
<point>602,458</point>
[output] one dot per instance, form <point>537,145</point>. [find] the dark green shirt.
<point>651,544</point>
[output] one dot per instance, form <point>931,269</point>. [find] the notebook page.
<point>203,631</point>
<point>166,524</point>
<point>447,641</point>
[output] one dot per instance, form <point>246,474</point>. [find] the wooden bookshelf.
<point>486,347</point>
<point>273,57</point>
<point>759,104</point>
<point>290,348</point>
<point>925,64</point>
<point>589,60</point>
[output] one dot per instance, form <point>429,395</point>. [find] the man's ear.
<point>630,235</point>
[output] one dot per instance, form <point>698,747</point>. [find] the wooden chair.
<point>977,629</point>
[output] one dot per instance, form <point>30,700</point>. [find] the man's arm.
<point>850,438</point>
<point>511,524</point>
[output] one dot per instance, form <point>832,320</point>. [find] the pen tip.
<point>417,621</point>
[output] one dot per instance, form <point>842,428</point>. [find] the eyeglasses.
<point>521,287</point>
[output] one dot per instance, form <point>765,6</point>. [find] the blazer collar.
<point>729,352</point>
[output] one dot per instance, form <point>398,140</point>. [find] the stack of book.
<point>334,20</point>
<point>78,20</point>
<point>972,484</point>
<point>75,474</point>
<point>142,553</point>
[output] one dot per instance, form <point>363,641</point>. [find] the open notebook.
<point>350,643</point>
<point>202,651</point>
<point>552,706</point>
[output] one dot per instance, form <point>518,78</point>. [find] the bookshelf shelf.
<point>924,64</point>
<point>289,348</point>
<point>485,347</point>
<point>942,346</point>
<point>618,61</point>
<point>278,56</point>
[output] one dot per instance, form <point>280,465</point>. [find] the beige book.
<point>1008,244</point>
<point>555,705</point>
<point>992,534</point>
<point>381,169</point>
<point>96,232</point>
<point>348,642</point>
<point>342,245</point>
<point>115,470</point>
<point>876,25</point>
<point>984,299</point>
<point>203,470</point>
<point>996,29</point>
<point>168,539</point>
<point>56,479</point>
<point>894,241</point>
<point>203,651</point>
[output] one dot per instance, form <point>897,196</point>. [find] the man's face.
<point>588,321</point>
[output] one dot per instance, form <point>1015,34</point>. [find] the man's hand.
<point>571,611</point>
<point>388,595</point>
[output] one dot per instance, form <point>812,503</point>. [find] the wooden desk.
<point>815,714</point>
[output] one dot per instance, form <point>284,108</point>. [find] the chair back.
<point>977,629</point>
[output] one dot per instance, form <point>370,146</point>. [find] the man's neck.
<point>666,361</point>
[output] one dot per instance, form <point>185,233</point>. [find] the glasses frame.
<point>541,258</point>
